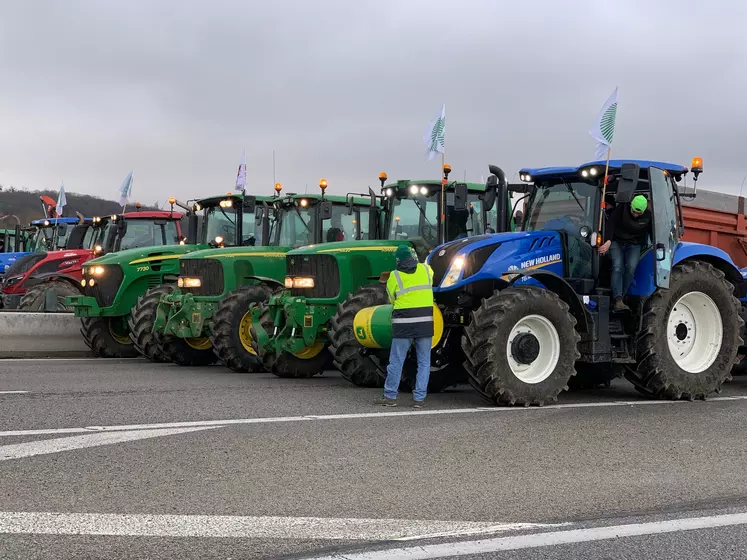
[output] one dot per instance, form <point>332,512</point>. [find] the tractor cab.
<point>575,203</point>
<point>421,213</point>
<point>51,234</point>
<point>224,221</point>
<point>133,230</point>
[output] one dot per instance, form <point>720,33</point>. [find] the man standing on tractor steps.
<point>410,289</point>
<point>628,227</point>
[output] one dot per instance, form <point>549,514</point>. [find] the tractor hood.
<point>349,246</point>
<point>494,257</point>
<point>237,252</point>
<point>145,254</point>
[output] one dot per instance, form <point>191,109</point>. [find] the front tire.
<point>690,335</point>
<point>360,370</point>
<point>521,347</point>
<point>108,337</point>
<point>141,320</point>
<point>35,296</point>
<point>232,336</point>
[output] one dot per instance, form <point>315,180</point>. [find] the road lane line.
<point>14,392</point>
<point>358,415</point>
<point>544,539</point>
<point>47,446</point>
<point>230,526</point>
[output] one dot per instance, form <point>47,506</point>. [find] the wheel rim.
<point>310,351</point>
<point>202,343</point>
<point>119,331</point>
<point>245,333</point>
<point>533,349</point>
<point>694,332</point>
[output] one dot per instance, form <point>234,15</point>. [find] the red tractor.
<point>42,281</point>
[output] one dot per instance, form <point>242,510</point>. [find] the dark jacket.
<point>623,227</point>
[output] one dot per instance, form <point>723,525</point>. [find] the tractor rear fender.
<point>563,289</point>
<point>49,276</point>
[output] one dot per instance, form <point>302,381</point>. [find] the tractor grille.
<point>209,271</point>
<point>322,268</point>
<point>106,287</point>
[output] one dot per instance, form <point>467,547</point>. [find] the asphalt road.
<point>126,459</point>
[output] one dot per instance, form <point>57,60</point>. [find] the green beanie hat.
<point>403,253</point>
<point>639,203</point>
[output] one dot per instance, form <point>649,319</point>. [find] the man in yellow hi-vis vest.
<point>410,289</point>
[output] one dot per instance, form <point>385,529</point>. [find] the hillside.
<point>27,206</point>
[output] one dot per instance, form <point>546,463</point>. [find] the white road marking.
<point>230,526</point>
<point>14,392</point>
<point>538,540</point>
<point>47,446</point>
<point>387,414</point>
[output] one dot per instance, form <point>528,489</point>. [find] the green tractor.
<point>327,286</point>
<point>204,318</point>
<point>145,256</point>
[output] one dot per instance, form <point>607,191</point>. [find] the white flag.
<point>435,135</point>
<point>61,200</point>
<point>604,127</point>
<point>241,175</point>
<point>126,189</point>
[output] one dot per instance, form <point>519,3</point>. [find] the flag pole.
<point>443,195</point>
<point>604,188</point>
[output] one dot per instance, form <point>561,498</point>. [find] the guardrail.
<point>41,335</point>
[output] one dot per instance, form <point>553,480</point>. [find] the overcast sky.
<point>345,89</point>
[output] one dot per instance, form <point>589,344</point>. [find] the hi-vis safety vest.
<point>412,298</point>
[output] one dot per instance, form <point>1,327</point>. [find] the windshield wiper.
<point>227,218</point>
<point>573,194</point>
<point>300,217</point>
<point>422,211</point>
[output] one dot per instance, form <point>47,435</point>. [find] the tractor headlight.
<point>96,270</point>
<point>452,275</point>
<point>188,282</point>
<point>299,282</point>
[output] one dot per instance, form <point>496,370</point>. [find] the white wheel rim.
<point>694,332</point>
<point>549,349</point>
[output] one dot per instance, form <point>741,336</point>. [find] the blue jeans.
<point>625,258</point>
<point>397,356</point>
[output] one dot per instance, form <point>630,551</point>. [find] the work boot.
<point>384,401</point>
<point>620,305</point>
<point>418,404</point>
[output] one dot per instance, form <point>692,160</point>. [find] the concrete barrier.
<point>41,335</point>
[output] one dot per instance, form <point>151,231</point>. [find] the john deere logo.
<point>360,333</point>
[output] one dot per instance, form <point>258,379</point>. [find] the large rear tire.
<point>521,347</point>
<point>232,337</point>
<point>307,363</point>
<point>740,368</point>
<point>187,352</point>
<point>354,366</point>
<point>141,321</point>
<point>35,296</point>
<point>690,335</point>
<point>108,337</point>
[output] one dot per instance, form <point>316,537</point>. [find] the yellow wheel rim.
<point>310,351</point>
<point>202,343</point>
<point>118,336</point>
<point>245,333</point>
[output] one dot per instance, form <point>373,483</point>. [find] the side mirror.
<point>490,187</point>
<point>325,210</point>
<point>122,226</point>
<point>61,230</point>
<point>249,204</point>
<point>192,227</point>
<point>349,207</point>
<point>628,182</point>
<point>460,197</point>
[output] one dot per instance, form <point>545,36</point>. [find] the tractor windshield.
<point>294,226</point>
<point>417,217</point>
<point>221,222</point>
<point>148,233</point>
<point>562,205</point>
<point>44,239</point>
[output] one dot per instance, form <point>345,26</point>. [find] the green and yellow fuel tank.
<point>373,326</point>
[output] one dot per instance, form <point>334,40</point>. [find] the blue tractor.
<point>532,312</point>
